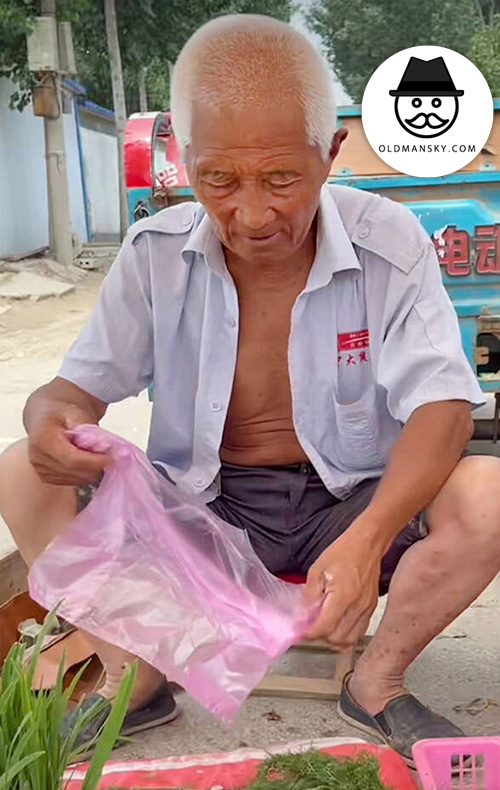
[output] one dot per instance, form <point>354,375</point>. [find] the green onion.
<point>315,771</point>
<point>33,752</point>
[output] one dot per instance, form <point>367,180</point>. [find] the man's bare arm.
<point>49,412</point>
<point>422,459</point>
<point>59,393</point>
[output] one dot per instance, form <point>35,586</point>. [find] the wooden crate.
<point>13,576</point>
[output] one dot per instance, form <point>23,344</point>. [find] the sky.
<point>299,23</point>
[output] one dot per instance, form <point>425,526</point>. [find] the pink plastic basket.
<point>458,763</point>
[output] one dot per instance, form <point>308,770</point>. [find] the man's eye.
<point>282,179</point>
<point>218,179</point>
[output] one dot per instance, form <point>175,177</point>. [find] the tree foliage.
<point>16,19</point>
<point>485,53</point>
<point>358,36</point>
<point>151,34</point>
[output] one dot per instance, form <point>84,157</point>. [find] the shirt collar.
<point>203,241</point>
<point>334,250</point>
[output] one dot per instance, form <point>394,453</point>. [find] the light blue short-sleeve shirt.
<point>373,337</point>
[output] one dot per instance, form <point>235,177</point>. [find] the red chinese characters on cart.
<point>463,254</point>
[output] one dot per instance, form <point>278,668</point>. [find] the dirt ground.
<point>462,665</point>
<point>33,339</point>
<point>43,329</point>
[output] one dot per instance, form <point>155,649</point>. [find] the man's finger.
<point>318,584</point>
<point>84,461</point>
<point>327,620</point>
<point>59,462</point>
<point>313,588</point>
<point>339,645</point>
<point>350,629</point>
<point>347,624</point>
<point>66,455</point>
<point>69,480</point>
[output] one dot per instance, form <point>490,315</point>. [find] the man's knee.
<point>14,468</point>
<point>470,500</point>
<point>17,447</point>
<point>34,511</point>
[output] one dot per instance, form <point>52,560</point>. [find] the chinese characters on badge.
<point>353,348</point>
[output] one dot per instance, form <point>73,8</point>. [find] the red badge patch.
<point>352,341</point>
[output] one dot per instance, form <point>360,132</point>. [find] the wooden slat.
<point>322,646</point>
<point>13,576</point>
<point>294,686</point>
<point>310,687</point>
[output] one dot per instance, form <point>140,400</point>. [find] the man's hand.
<point>55,458</point>
<point>50,412</point>
<point>347,575</point>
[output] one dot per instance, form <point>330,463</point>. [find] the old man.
<point>309,380</point>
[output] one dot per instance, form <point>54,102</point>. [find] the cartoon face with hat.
<point>426,99</point>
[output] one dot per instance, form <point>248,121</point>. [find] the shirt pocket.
<point>358,432</point>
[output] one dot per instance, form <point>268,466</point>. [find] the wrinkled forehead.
<point>266,124</point>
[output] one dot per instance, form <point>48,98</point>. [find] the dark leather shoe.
<point>402,723</point>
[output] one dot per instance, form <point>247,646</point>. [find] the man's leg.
<point>436,579</point>
<point>35,513</point>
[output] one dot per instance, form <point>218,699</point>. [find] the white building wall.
<point>23,179</point>
<point>101,172</point>
<point>73,169</point>
<point>23,188</point>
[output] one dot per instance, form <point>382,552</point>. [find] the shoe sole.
<point>374,733</point>
<point>149,725</point>
<point>126,733</point>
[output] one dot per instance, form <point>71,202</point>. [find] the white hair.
<point>244,58</point>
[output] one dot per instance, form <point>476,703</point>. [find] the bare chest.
<point>259,425</point>
<point>262,361</point>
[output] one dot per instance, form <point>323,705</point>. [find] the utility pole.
<point>57,181</point>
<point>115,63</point>
<point>143,93</point>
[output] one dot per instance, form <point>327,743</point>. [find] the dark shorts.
<point>291,517</point>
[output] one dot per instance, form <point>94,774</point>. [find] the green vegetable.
<point>33,753</point>
<point>318,771</point>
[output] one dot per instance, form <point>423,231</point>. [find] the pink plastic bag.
<point>154,571</point>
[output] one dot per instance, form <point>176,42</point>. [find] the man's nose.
<point>253,212</point>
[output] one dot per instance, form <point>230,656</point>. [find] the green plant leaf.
<point>33,751</point>
<point>111,730</point>
<point>16,769</point>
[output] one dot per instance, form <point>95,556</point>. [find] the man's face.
<point>426,116</point>
<point>257,177</point>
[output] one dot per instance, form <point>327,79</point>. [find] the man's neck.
<point>274,275</point>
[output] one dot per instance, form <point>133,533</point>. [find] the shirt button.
<point>215,405</point>
<point>231,322</point>
<point>363,232</point>
<point>199,482</point>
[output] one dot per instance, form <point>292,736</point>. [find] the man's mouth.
<point>262,237</point>
<point>422,119</point>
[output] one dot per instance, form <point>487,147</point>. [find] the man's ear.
<point>338,138</point>
<point>187,162</point>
